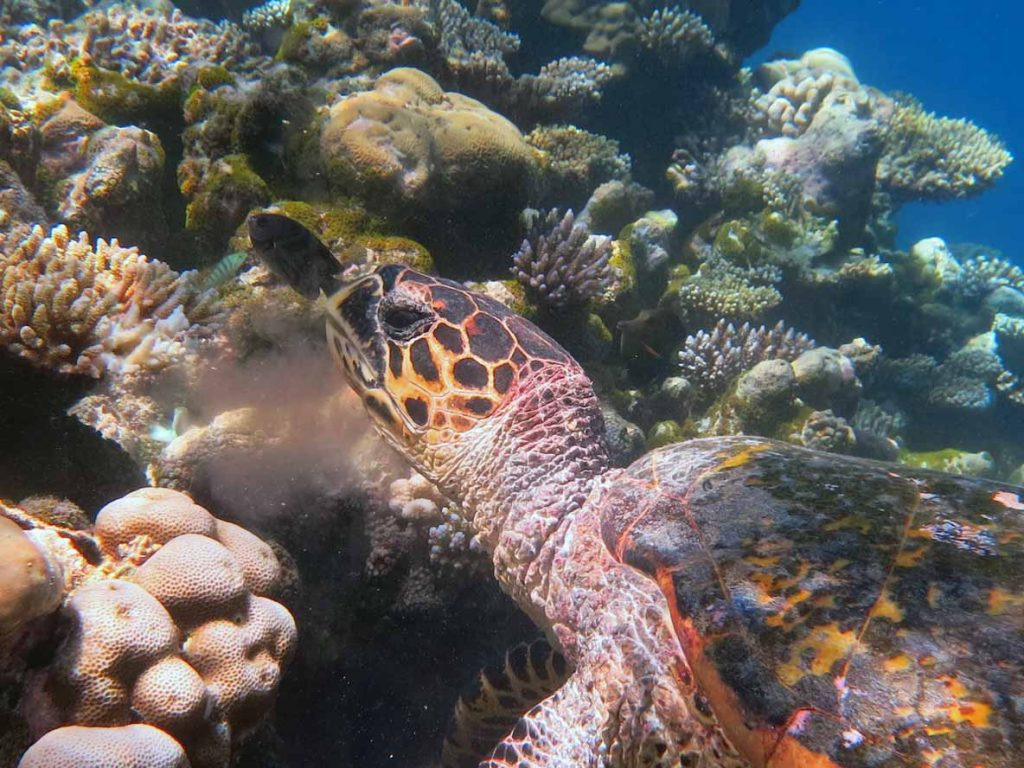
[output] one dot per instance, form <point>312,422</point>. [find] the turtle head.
<point>443,371</point>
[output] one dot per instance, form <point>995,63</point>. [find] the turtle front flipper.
<point>563,731</point>
<point>501,694</point>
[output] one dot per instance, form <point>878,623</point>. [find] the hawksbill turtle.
<point>722,602</point>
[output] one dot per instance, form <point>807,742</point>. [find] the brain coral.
<point>128,746</point>
<point>424,148</point>
<point>172,627</point>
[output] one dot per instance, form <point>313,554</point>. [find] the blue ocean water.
<point>959,60</point>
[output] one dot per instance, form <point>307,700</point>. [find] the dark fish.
<point>294,254</point>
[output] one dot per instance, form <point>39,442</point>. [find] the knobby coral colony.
<point>136,140</point>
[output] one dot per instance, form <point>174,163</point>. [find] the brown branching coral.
<point>982,273</point>
<point>577,161</point>
<point>937,158</point>
<point>710,360</point>
<point>725,290</point>
<point>78,307</point>
<point>675,35</point>
<point>566,266</point>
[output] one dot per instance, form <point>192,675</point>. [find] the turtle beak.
<point>353,332</point>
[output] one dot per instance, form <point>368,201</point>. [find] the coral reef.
<point>724,290</point>
<point>167,621</point>
<point>563,265</point>
<point>81,308</point>
<point>438,135</point>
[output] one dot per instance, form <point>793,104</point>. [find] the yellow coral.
<point>78,307</point>
<point>409,139</point>
<point>938,158</point>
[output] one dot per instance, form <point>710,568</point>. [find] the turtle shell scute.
<point>836,612</point>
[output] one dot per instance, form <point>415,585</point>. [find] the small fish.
<point>294,254</point>
<point>224,270</point>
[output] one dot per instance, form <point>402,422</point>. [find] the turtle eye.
<point>402,321</point>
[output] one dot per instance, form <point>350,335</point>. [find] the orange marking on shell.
<point>886,608</point>
<point>899,663</point>
<point>761,747</point>
<point>828,645</point>
<point>742,458</point>
<point>908,558</point>
<point>1001,601</point>
<point>975,713</point>
<point>1008,500</point>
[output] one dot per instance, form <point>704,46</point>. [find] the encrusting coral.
<point>167,622</point>
<point>77,307</point>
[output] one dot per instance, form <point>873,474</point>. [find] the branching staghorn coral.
<point>565,267</point>
<point>78,307</point>
<point>462,34</point>
<point>675,35</point>
<point>710,360</point>
<point>937,158</point>
<point>565,85</point>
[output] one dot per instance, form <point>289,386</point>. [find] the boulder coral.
<point>127,746</point>
<point>169,644</point>
<point>424,149</point>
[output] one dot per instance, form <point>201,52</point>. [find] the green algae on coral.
<point>115,99</point>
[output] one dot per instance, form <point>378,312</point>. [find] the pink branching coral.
<point>78,307</point>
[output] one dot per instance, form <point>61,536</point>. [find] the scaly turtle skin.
<point>724,602</point>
